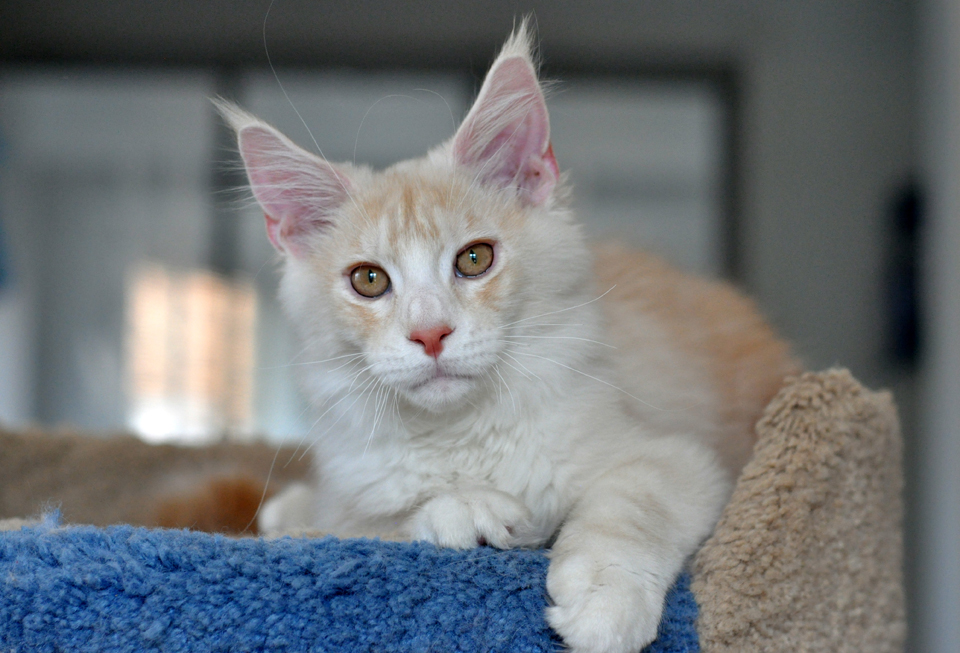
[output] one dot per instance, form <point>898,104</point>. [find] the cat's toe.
<point>466,520</point>
<point>599,609</point>
<point>444,521</point>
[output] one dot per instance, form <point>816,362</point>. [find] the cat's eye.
<point>475,260</point>
<point>369,280</point>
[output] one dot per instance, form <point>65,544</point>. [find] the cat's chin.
<point>441,393</point>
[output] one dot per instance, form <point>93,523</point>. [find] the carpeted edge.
<point>807,555</point>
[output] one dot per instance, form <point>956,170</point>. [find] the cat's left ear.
<point>300,193</point>
<point>506,136</point>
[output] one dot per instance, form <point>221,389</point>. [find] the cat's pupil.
<point>473,256</point>
<point>371,277</point>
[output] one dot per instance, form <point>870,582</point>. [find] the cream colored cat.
<point>476,383</point>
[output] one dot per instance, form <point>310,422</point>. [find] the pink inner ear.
<point>299,193</point>
<point>506,135</point>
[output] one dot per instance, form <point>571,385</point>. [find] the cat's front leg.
<point>465,518</point>
<point>624,543</point>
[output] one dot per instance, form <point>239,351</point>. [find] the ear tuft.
<point>506,136</point>
<point>520,44</point>
<point>300,193</point>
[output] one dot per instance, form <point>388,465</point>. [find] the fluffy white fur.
<point>528,429</point>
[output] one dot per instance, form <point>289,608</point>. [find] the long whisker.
<point>324,413</point>
<point>363,391</point>
<point>356,140</point>
<point>277,77</point>
<point>376,408</point>
<point>357,375</point>
<point>310,405</point>
<point>544,324</point>
<point>347,410</point>
<point>562,310</point>
<point>497,390</point>
<point>376,389</point>
<point>266,485</point>
<point>608,384</point>
<point>266,51</point>
<point>378,414</point>
<point>512,400</point>
<point>453,120</point>
<point>309,342</point>
<point>396,405</point>
<point>518,362</point>
<point>596,342</point>
<point>351,363</point>
<point>514,367</point>
<point>326,360</point>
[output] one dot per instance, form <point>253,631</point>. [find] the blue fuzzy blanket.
<point>133,589</point>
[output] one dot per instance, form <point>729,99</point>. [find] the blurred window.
<point>189,355</point>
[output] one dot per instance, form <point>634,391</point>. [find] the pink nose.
<point>431,339</point>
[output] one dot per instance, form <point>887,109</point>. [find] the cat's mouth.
<point>439,377</point>
<point>440,389</point>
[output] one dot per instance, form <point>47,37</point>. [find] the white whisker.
<point>356,139</point>
<point>363,391</point>
<point>323,414</point>
<point>608,384</point>
<point>512,400</point>
<point>376,415</point>
<point>396,405</point>
<point>357,375</point>
<point>544,324</point>
<point>527,369</point>
<point>562,310</point>
<point>596,342</point>
<point>513,367</point>
<point>493,384</point>
<point>283,90</point>
<point>266,485</point>
<point>320,362</point>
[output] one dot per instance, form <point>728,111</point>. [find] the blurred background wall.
<point>809,151</point>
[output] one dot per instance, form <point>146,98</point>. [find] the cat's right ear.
<point>505,137</point>
<point>300,193</point>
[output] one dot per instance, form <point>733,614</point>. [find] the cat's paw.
<point>600,606</point>
<point>292,509</point>
<point>469,518</point>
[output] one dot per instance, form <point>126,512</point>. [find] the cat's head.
<point>420,268</point>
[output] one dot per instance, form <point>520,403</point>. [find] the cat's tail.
<point>226,504</point>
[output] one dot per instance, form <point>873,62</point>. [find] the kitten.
<point>465,377</point>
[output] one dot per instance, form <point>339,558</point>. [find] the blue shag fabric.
<point>134,589</point>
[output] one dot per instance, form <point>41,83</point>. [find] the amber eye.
<point>369,280</point>
<point>475,260</point>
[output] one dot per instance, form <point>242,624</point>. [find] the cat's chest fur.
<point>524,454</point>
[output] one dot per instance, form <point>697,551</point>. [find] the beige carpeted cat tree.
<point>806,557</point>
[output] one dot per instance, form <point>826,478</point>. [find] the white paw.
<point>600,606</point>
<point>291,509</point>
<point>469,518</point>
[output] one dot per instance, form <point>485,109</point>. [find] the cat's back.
<point>697,347</point>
